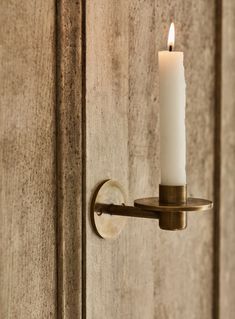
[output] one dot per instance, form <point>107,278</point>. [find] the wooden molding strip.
<point>69,157</point>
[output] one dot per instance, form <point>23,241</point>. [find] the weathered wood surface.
<point>106,153</point>
<point>227,187</point>
<point>27,165</point>
<point>69,158</point>
<point>147,273</point>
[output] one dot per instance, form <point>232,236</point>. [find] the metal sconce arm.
<point>108,209</point>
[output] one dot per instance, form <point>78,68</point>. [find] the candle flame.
<point>171,37</point>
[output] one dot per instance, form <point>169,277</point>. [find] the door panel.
<point>146,272</point>
<point>27,166</point>
<point>106,150</point>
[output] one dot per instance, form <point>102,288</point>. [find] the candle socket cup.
<point>173,195</point>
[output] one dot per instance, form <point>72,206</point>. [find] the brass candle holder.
<point>109,212</point>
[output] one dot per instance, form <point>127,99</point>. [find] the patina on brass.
<point>108,205</point>
<point>169,195</point>
<point>191,205</point>
<point>126,211</point>
<point>172,194</point>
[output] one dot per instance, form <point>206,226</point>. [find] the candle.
<point>172,114</point>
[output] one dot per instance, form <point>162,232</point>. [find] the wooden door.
<point>79,104</point>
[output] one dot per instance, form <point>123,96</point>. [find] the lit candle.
<point>172,114</point>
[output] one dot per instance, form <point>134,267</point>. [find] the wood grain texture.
<point>106,148</point>
<point>147,273</point>
<point>69,158</point>
<point>27,165</point>
<point>227,189</point>
<point>190,254</point>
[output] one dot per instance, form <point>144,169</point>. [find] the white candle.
<point>172,115</point>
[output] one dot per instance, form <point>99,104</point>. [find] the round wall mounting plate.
<point>108,226</point>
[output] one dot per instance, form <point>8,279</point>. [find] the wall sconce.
<point>108,209</point>
<point>108,205</point>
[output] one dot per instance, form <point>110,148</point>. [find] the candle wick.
<point>170,48</point>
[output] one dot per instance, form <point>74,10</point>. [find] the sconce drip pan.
<point>191,205</point>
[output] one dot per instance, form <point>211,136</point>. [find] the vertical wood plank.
<point>69,157</point>
<point>141,274</point>
<point>181,262</point>
<point>106,148</point>
<point>227,187</point>
<point>27,165</point>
